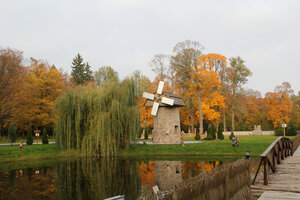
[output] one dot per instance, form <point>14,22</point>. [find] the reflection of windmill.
<point>166,115</point>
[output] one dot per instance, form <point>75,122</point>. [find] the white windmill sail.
<point>148,95</point>
<point>154,108</point>
<point>160,87</point>
<point>167,101</point>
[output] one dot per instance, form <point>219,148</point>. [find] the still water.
<point>98,178</point>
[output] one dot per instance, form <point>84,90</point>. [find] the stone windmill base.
<point>167,126</point>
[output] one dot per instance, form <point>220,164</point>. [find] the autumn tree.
<point>183,64</point>
<point>142,84</point>
<point>34,100</point>
<point>159,66</point>
<point>238,75</point>
<point>212,63</point>
<point>105,73</point>
<point>11,73</point>
<point>295,118</point>
<point>206,87</point>
<point>12,133</point>
<point>279,104</point>
<point>81,71</point>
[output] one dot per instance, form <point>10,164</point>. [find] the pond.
<point>100,178</point>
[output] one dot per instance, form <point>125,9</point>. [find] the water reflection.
<point>98,178</point>
<point>166,174</point>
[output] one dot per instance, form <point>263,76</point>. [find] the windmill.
<point>158,98</point>
<point>166,127</point>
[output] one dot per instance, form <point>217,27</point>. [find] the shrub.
<point>211,132</point>
<point>220,133</point>
<point>29,136</point>
<point>291,131</point>
<point>45,137</point>
<point>146,132</point>
<point>12,133</point>
<point>278,131</point>
<point>231,135</point>
<point>197,136</point>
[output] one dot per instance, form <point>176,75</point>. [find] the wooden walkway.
<point>284,183</point>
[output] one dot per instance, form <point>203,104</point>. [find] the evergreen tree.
<point>220,133</point>
<point>291,131</point>
<point>231,135</point>
<point>12,133</point>
<point>29,136</point>
<point>197,136</point>
<point>88,74</point>
<point>146,132</point>
<point>45,137</point>
<point>78,70</point>
<point>211,132</point>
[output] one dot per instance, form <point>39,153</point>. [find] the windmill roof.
<point>178,102</point>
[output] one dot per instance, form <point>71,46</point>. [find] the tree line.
<point>211,85</point>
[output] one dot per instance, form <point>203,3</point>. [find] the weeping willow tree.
<point>98,178</point>
<point>98,121</point>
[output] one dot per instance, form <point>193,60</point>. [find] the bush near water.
<point>29,137</point>
<point>98,121</point>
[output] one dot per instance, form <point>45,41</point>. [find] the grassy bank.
<point>30,153</point>
<point>255,144</point>
<point>5,140</point>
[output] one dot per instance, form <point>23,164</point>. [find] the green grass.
<point>255,144</point>
<point>10,154</point>
<point>5,140</point>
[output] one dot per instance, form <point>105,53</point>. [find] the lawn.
<point>255,144</point>
<point>32,152</point>
<point>4,140</point>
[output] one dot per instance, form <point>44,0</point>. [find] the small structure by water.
<point>165,109</point>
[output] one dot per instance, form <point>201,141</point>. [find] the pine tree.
<point>231,135</point>
<point>45,137</point>
<point>146,132</point>
<point>220,133</point>
<point>78,70</point>
<point>211,132</point>
<point>88,74</point>
<point>197,136</point>
<point>29,136</point>
<point>12,133</point>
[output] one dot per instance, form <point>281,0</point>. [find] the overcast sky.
<point>126,34</point>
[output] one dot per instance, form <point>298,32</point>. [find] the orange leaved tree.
<point>35,98</point>
<point>279,105</point>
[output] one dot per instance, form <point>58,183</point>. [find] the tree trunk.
<point>217,129</point>
<point>200,114</point>
<point>224,120</point>
<point>192,121</point>
<point>232,117</point>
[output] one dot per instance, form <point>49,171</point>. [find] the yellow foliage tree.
<point>206,92</point>
<point>35,99</point>
<point>279,106</point>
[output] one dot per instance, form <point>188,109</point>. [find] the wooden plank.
<point>271,195</point>
<point>285,182</point>
<point>264,154</point>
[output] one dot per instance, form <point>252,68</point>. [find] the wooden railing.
<point>277,151</point>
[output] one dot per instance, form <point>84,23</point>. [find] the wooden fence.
<point>277,151</point>
<point>227,182</point>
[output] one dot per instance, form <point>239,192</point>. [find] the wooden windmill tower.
<point>165,109</point>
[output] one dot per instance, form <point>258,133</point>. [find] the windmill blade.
<point>154,108</point>
<point>167,101</point>
<point>160,87</point>
<point>148,96</point>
